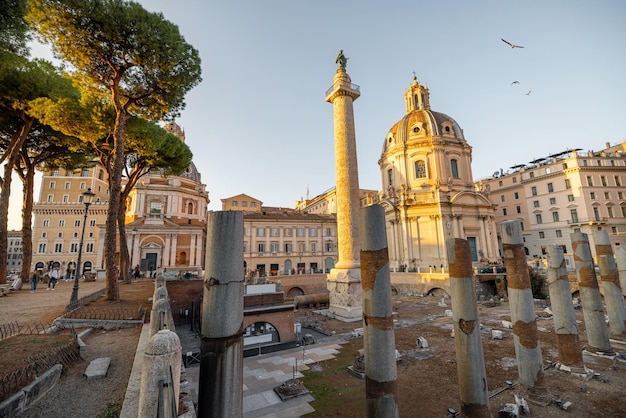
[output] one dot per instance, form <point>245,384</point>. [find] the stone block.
<point>496,334</point>
<point>507,324</point>
<point>98,368</point>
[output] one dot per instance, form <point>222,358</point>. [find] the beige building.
<point>165,220</point>
<point>282,241</point>
<point>428,190</point>
<point>14,252</point>
<point>326,202</point>
<point>59,216</point>
<point>562,193</point>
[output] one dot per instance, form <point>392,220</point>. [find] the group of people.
<point>54,274</point>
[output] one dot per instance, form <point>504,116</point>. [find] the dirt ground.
<point>427,378</point>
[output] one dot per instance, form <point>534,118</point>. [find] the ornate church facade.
<point>428,191</point>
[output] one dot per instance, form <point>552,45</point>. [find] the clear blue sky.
<point>258,123</point>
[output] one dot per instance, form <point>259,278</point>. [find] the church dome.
<point>420,122</point>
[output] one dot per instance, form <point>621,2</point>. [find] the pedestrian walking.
<point>53,278</point>
<point>34,278</point>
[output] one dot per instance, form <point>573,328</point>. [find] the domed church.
<point>428,189</point>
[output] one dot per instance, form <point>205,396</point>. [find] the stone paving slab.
<point>98,368</point>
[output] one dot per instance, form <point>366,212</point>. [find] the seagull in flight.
<point>515,82</point>
<point>511,45</point>
<point>528,94</point>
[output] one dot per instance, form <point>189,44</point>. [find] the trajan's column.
<point>344,281</point>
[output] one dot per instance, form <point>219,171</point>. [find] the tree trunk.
<point>27,216</point>
<point>13,151</point>
<point>124,256</point>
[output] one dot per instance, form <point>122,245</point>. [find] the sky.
<point>258,123</point>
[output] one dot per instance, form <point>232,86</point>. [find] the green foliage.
<point>537,284</point>
<point>112,410</point>
<point>13,28</point>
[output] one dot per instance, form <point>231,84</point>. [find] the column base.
<point>344,287</point>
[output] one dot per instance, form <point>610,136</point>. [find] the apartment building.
<point>284,241</point>
<point>14,252</point>
<point>562,193</point>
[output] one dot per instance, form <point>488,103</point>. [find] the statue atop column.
<point>341,60</point>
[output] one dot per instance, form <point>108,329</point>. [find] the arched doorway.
<point>260,333</point>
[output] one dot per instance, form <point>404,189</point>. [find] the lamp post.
<point>87,198</point>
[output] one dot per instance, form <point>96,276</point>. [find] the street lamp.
<point>87,199</point>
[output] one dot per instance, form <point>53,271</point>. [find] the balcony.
<point>600,220</point>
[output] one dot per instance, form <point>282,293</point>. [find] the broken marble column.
<point>525,336</point>
<point>620,258</point>
<point>567,339</point>
<point>220,388</point>
<point>160,374</point>
<point>611,288</point>
<point>378,331</point>
<point>469,350</point>
<point>590,298</point>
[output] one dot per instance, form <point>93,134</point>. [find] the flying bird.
<point>528,94</point>
<point>512,45</point>
<point>515,82</point>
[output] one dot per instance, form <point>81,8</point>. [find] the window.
<point>83,185</point>
<point>502,198</point>
<point>155,207</point>
<point>568,184</point>
<point>92,222</point>
<point>60,235</point>
<point>68,185</point>
<point>514,179</point>
<point>454,167</point>
<point>260,232</point>
<point>603,180</point>
<point>50,198</point>
<point>74,247</point>
<point>89,248</point>
<point>555,216</point>
<point>58,247</point>
<point>244,204</point>
<point>613,228</point>
<point>420,170</point>
<point>559,234</point>
<point>518,209</point>
<point>564,166</point>
<point>624,211</point>
<point>61,223</point>
<point>521,225</point>
<point>516,195</point>
<point>313,247</point>
<point>253,204</point>
<point>620,195</point>
<point>538,218</point>
<point>299,232</point>
<point>589,181</point>
<point>610,210</point>
<point>100,174</point>
<point>596,213</point>
<point>550,188</point>
<point>574,215</point>
<point>390,177</point>
<point>274,247</point>
<point>553,200</point>
<point>66,198</point>
<point>301,247</point>
<point>570,197</point>
<point>288,247</point>
<point>84,172</point>
<point>618,182</point>
<point>55,173</point>
<point>44,234</point>
<point>53,184</point>
<point>532,174</point>
<point>77,222</point>
<point>536,203</point>
<point>533,191</point>
<point>288,232</point>
<point>261,247</point>
<point>329,232</point>
<point>329,247</point>
<point>584,163</point>
<point>42,248</point>
<point>503,211</point>
<point>313,232</point>
<point>592,196</point>
<point>500,183</point>
<point>46,223</point>
<point>234,203</point>
<point>542,235</point>
<point>274,232</point>
<point>607,195</point>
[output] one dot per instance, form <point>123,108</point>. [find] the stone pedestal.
<point>344,287</point>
